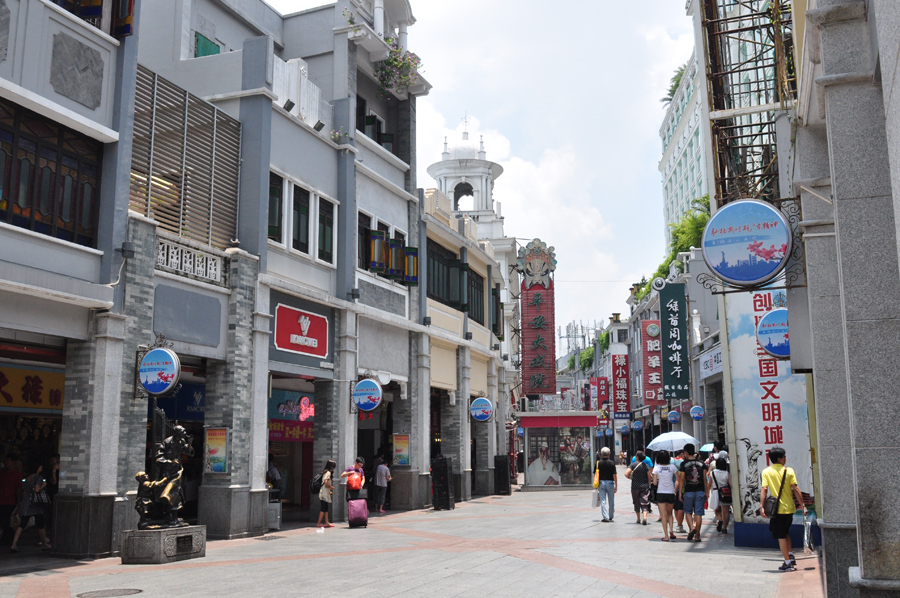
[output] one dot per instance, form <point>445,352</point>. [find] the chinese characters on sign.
<point>536,261</point>
<point>33,389</point>
<point>651,349</point>
<point>673,326</point>
<point>620,390</point>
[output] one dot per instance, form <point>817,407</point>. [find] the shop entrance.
<point>374,435</point>
<point>291,414</point>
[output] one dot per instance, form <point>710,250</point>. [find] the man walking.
<point>694,486</point>
<point>782,483</point>
<point>679,505</point>
<point>609,484</point>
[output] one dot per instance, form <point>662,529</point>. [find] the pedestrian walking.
<point>609,485</point>
<point>693,485</point>
<point>326,493</point>
<point>10,494</point>
<point>639,474</point>
<point>356,478</point>
<point>780,482</point>
<point>382,477</point>
<point>34,504</point>
<point>678,509</point>
<point>720,493</point>
<point>664,477</point>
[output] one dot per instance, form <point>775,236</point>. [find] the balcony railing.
<point>179,257</point>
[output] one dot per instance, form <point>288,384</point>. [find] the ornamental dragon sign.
<point>536,263</point>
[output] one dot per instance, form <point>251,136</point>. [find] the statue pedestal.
<point>156,546</point>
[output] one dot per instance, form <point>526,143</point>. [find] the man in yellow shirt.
<point>781,481</point>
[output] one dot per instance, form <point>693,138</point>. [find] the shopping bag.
<point>597,477</point>
<point>595,498</point>
<point>808,546</point>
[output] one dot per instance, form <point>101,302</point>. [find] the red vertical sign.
<point>538,339</point>
<point>620,387</point>
<point>603,394</point>
<point>651,352</point>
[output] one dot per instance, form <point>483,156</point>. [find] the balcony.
<point>438,205</point>
<point>181,256</point>
<point>291,83</point>
<point>58,65</point>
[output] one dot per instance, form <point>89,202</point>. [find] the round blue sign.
<point>697,412</point>
<point>625,430</point>
<point>746,243</point>
<point>609,432</point>
<point>521,431</point>
<point>159,371</point>
<point>674,417</point>
<point>772,334</point>
<point>481,409</point>
<point>638,425</point>
<point>367,395</point>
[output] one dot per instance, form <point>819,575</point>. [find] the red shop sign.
<point>298,331</point>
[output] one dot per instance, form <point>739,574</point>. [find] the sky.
<point>567,98</point>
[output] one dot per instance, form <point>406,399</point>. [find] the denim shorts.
<point>694,503</point>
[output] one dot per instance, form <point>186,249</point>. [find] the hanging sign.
<point>772,334</point>
<point>536,261</point>
<point>367,395</point>
<point>697,412</point>
<point>609,432</point>
<point>651,348</point>
<point>674,417</point>
<point>638,425</point>
<point>620,390</point>
<point>625,430</point>
<point>673,328</point>
<point>711,362</point>
<point>159,371</point>
<point>481,409</point>
<point>746,243</point>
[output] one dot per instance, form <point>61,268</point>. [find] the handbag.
<point>354,481</point>
<point>770,506</point>
<point>595,498</point>
<point>597,476</point>
<point>40,499</point>
<point>724,492</point>
<point>653,489</point>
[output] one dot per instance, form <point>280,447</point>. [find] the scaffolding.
<point>751,78</point>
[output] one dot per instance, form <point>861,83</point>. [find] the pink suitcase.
<point>358,512</point>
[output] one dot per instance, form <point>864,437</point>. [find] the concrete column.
<point>259,413</point>
<point>485,442</point>
<point>404,37</point>
<point>869,280</point>
<point>378,17</point>
<point>463,471</point>
<point>346,375</point>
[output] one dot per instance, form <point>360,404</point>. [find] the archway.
<point>463,197</point>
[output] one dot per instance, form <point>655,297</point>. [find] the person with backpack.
<point>720,493</point>
<point>780,490</point>
<point>322,485</point>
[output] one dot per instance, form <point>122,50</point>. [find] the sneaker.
<point>680,530</point>
<point>718,526</point>
<point>605,520</point>
<point>793,559</point>
<point>787,567</point>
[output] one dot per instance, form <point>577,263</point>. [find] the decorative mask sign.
<point>638,425</point>
<point>746,243</point>
<point>159,371</point>
<point>367,395</point>
<point>674,417</point>
<point>536,262</point>
<point>673,326</point>
<point>481,409</point>
<point>621,394</point>
<point>697,412</point>
<point>772,334</point>
<point>651,350</point>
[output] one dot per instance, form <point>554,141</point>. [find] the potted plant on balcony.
<point>399,71</point>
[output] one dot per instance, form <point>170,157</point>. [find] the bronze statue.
<point>158,501</point>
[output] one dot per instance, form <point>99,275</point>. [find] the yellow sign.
<point>31,389</point>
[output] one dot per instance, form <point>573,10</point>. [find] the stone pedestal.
<point>157,546</point>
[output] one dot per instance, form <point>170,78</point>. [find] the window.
<point>300,220</point>
<point>276,188</point>
<point>374,127</point>
<point>326,231</point>
<point>386,229</point>
<point>49,176</point>
<point>443,275</point>
<point>496,313</point>
<point>204,46</point>
<point>475,296</point>
<point>360,113</point>
<point>363,228</point>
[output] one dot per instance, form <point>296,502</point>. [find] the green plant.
<point>340,136</point>
<point>674,82</point>
<point>348,14</point>
<point>586,359</point>
<point>399,70</point>
<point>603,342</point>
<point>571,366</point>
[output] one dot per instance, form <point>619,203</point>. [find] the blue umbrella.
<point>706,448</point>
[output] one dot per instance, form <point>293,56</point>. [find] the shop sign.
<point>620,387</point>
<point>772,334</point>
<point>302,410</point>
<point>536,261</point>
<point>685,407</point>
<point>609,432</point>
<point>216,448</point>
<point>769,402</point>
<point>31,389</point>
<point>625,430</point>
<point>711,362</point>
<point>638,425</point>
<point>159,371</point>
<point>299,331</point>
<point>673,328</point>
<point>651,352</point>
<point>697,412</point>
<point>401,449</point>
<point>521,431</point>
<point>282,430</point>
<point>593,385</point>
<point>481,409</point>
<point>188,404</point>
<point>602,391</point>
<point>674,417</point>
<point>367,395</point>
<point>746,243</point>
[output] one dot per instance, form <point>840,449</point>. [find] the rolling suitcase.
<point>358,512</point>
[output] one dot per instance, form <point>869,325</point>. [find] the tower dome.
<point>465,170</point>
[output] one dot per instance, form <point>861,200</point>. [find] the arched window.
<point>466,194</point>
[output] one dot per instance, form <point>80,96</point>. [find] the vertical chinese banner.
<point>536,261</point>
<point>769,402</point>
<point>595,394</point>
<point>676,365</point>
<point>651,353</point>
<point>603,394</point>
<point>620,387</point>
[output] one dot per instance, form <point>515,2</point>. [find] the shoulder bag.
<point>724,492</point>
<point>597,475</point>
<point>770,507</point>
<point>653,487</point>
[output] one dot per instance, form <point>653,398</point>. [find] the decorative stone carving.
<point>4,29</point>
<point>76,70</point>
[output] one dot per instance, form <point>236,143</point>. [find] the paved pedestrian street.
<point>530,544</point>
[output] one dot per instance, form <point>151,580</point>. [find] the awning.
<point>559,421</point>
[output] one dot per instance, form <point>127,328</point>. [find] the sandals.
<point>672,537</point>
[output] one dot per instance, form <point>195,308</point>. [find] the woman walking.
<point>664,478</point>
<point>720,494</point>
<point>34,504</point>
<point>326,493</point>
<point>639,474</point>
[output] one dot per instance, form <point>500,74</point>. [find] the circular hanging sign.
<point>481,409</point>
<point>638,426</point>
<point>521,431</point>
<point>697,412</point>
<point>367,395</point>
<point>772,334</point>
<point>625,430</point>
<point>159,371</point>
<point>609,432</point>
<point>653,330</point>
<point>746,243</point>
<point>674,417</point>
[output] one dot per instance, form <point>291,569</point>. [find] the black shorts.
<point>38,521</point>
<point>780,525</point>
<point>679,504</point>
<point>668,499</point>
<point>323,506</point>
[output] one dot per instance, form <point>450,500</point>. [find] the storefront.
<point>558,449</point>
